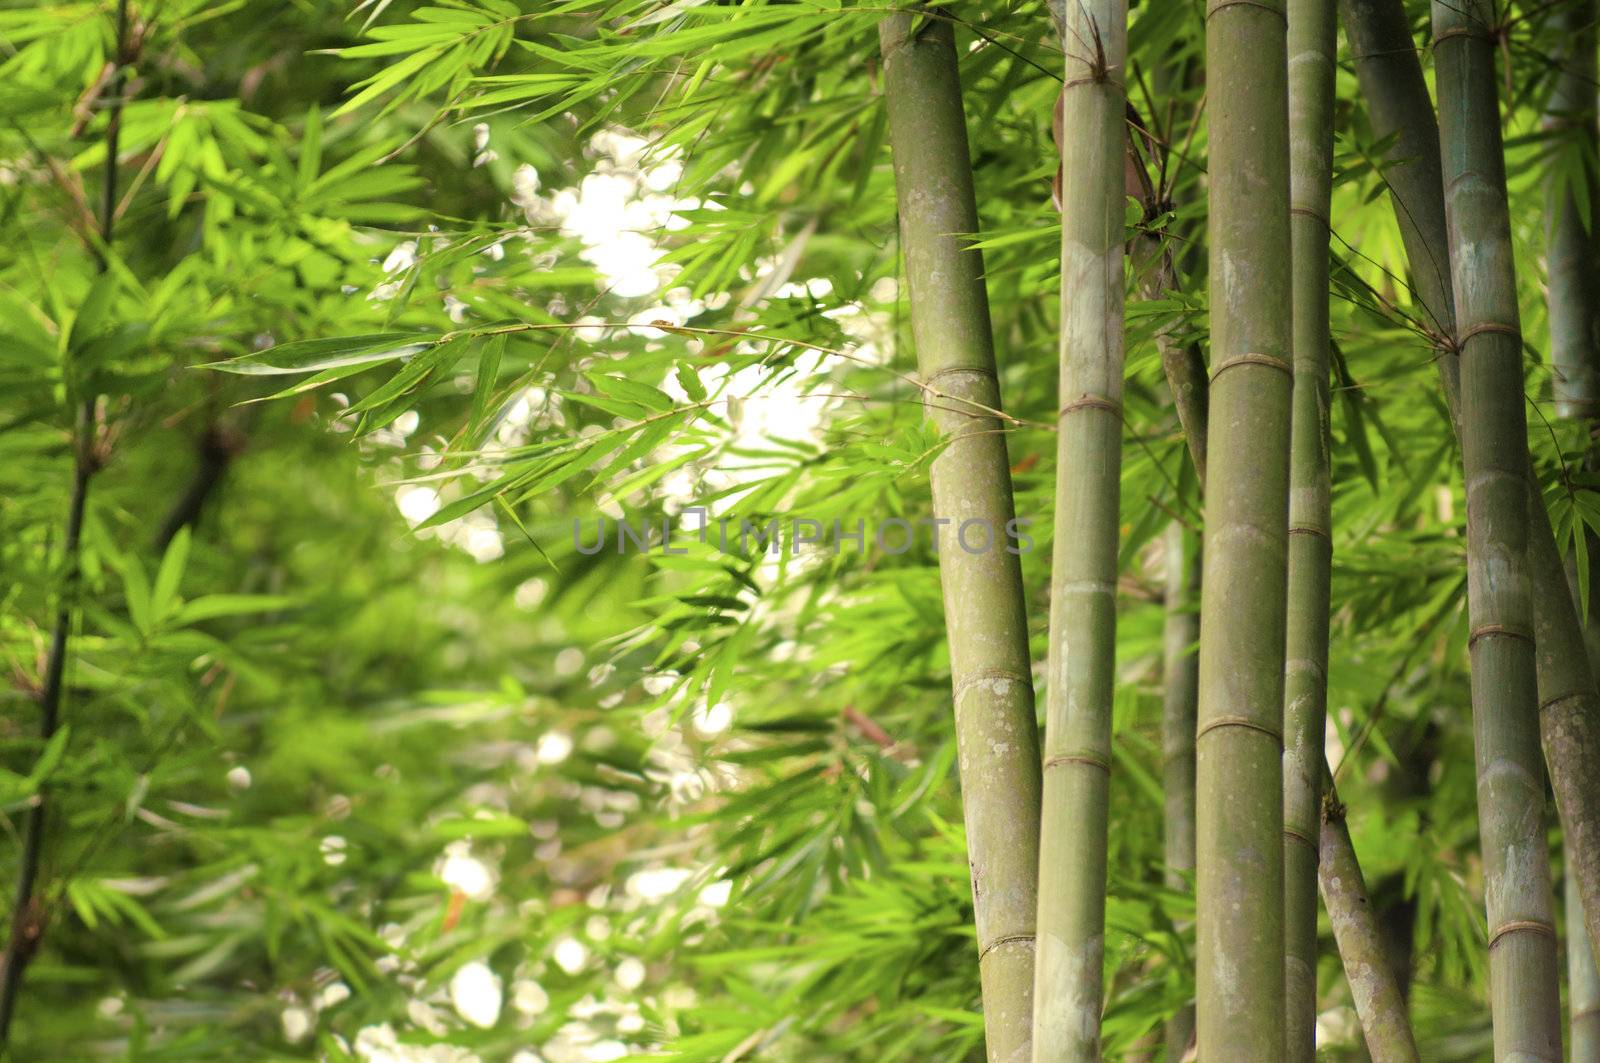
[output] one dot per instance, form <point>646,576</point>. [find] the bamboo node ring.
<point>1009,939</point>
<point>1267,360</point>
<point>1462,31</point>
<point>1551,703</point>
<point>1237,721</point>
<point>1497,629</point>
<point>1094,760</point>
<point>1307,529</point>
<point>1225,4</point>
<point>957,370</point>
<point>1515,925</point>
<point>1104,79</point>
<point>1291,832</point>
<point>1309,212</point>
<point>1488,326</point>
<point>967,682</point>
<point>1090,402</point>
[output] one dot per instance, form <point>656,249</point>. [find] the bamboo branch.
<point>216,449</point>
<point>1379,1002</point>
<point>985,616</point>
<point>28,920</point>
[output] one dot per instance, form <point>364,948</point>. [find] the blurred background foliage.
<point>363,758</point>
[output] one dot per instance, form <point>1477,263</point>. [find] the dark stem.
<point>27,921</point>
<point>217,448</point>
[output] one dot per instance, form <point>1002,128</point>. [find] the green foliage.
<point>374,743</point>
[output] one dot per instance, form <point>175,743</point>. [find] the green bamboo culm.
<point>1239,734</point>
<point>1347,907</point>
<point>1305,694</point>
<point>1572,202</point>
<point>1379,1003</point>
<point>1571,198</point>
<point>1569,718</point>
<point>1583,986</point>
<point>1180,688</point>
<point>996,730</point>
<point>1083,579</point>
<point>1524,1000</point>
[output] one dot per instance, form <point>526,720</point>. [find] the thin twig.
<point>27,919</point>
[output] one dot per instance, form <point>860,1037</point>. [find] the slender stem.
<point>1180,682</point>
<point>985,619</point>
<point>1305,693</point>
<point>216,449</point>
<point>1239,743</point>
<point>1379,1003</point>
<point>1184,366</point>
<point>1522,947</point>
<point>1083,603</point>
<point>27,920</point>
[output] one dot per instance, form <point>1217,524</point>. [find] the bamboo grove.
<point>798,529</point>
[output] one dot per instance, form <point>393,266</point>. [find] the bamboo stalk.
<point>1583,986</point>
<point>27,919</point>
<point>1345,906</point>
<point>1239,737</point>
<point>1181,677</point>
<point>1569,714</point>
<point>1570,721</point>
<point>1305,694</point>
<point>1569,718</point>
<point>996,730</point>
<point>1068,981</point>
<point>1522,948</point>
<point>1573,264</point>
<point>1573,298</point>
<point>1379,1003</point>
